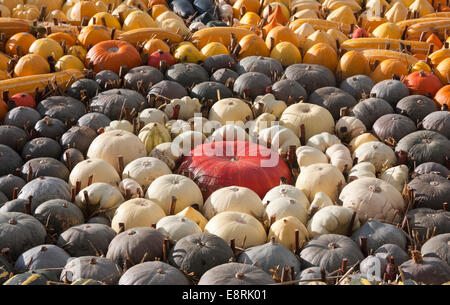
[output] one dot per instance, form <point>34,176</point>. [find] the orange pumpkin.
<point>23,39</point>
<point>252,45</point>
<point>92,34</point>
<point>3,75</point>
<point>106,19</point>
<point>154,45</point>
<point>250,18</point>
<point>83,9</point>
<point>387,68</point>
<point>322,54</point>
<point>352,63</point>
<point>152,3</point>
<point>112,54</point>
<point>61,36</point>
<point>157,10</point>
<point>421,82</point>
<point>31,64</point>
<point>278,16</point>
<point>442,97</point>
<point>443,71</point>
<point>434,39</point>
<point>279,34</point>
<point>250,6</point>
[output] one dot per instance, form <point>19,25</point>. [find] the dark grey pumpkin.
<point>136,245</point>
<point>424,221</point>
<point>328,250</point>
<point>100,219</point>
<point>251,84</point>
<point>142,78</point>
<point>217,62</point>
<point>199,252</point>
<point>22,117</point>
<point>86,239</point>
<point>388,250</point>
<point>208,91</point>
<point>168,89</point>
<point>187,74</point>
<point>394,126</point>
<point>236,274</point>
<point>43,189</point>
<point>20,232</point>
<point>79,137</point>
<point>438,246</point>
<point>9,160</point>
<point>182,8</point>
<point>90,87</point>
<point>13,137</point>
<point>40,167</point>
<point>223,75</point>
<point>91,267</point>
<point>311,77</point>
<point>269,256</point>
<point>289,91</point>
<point>438,121</point>
<point>204,6</point>
<point>430,191</point>
<point>40,257</point>
<point>333,99</point>
<point>425,146</point>
<point>6,270</point>
<point>58,215</point>
<point>359,86</point>
<point>204,18</point>
<point>271,67</point>
<point>417,107</point>
<point>94,120</point>
<point>370,110</point>
<point>50,128</point>
<point>374,266</point>
<point>41,147</point>
<point>63,108</point>
<point>3,198</point>
<point>432,167</point>
<point>71,157</point>
<point>107,79</point>
<point>111,102</point>
<point>8,183</point>
<point>378,234</point>
<point>427,270</point>
<point>311,273</point>
<point>153,273</point>
<point>16,205</point>
<point>390,90</point>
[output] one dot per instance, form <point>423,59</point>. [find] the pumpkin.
<point>43,189</point>
<point>286,191</point>
<point>425,220</point>
<point>153,273</point>
<point>279,34</point>
<point>340,157</point>
<point>119,125</point>
<point>312,180</point>
<point>41,147</point>
<point>393,126</point>
<point>397,12</point>
<point>136,245</point>
<point>437,246</point>
<point>219,61</point>
<point>153,134</point>
<point>427,270</point>
<point>71,157</point>
<point>22,117</point>
<point>311,77</point>
<point>92,35</point>
<point>227,133</point>
<point>175,227</point>
<point>443,71</point>
<point>377,153</point>
<point>145,170</point>
<point>57,14</point>
<point>82,9</point>
<point>321,200</point>
<point>310,274</point>
<point>438,121</point>
<point>69,62</point>
<point>352,63</point>
<point>288,91</point>
<point>27,11</point>
<point>44,167</point>
<point>278,138</point>
<point>113,102</point>
<point>142,78</point>
<point>322,54</point>
<point>31,64</point>
<point>79,137</point>
<point>265,65</point>
<point>78,51</point>
<point>442,97</point>
<point>40,257</point>
<point>6,270</point>
<point>187,74</point>
<point>230,110</point>
<point>10,134</point>
<point>390,90</point>
<point>188,53</point>
<point>286,53</point>
<point>282,207</point>
<point>58,215</point>
<point>343,14</point>
<point>8,183</point>
<point>252,45</point>
<point>430,167</point>
<point>348,127</point>
<point>361,139</point>
<point>100,170</point>
<point>430,190</point>
<point>307,155</point>
<point>59,37</point>
<point>370,110</point>
<point>333,99</point>
<point>396,176</point>
<point>332,220</point>
<point>105,19</point>
<point>152,115</point>
<point>328,250</point>
<point>319,37</point>
<point>63,108</point>
<point>91,267</point>
<point>423,83</point>
<point>388,250</point>
<point>50,128</point>
<point>97,198</point>
<point>154,45</point>
<point>416,107</point>
<point>23,40</point>
<point>27,278</point>
<point>235,274</point>
<point>387,68</point>
<point>10,160</point>
<point>46,47</point>
<point>322,141</point>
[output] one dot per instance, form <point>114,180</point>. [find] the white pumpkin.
<point>153,134</point>
<point>307,155</point>
<point>320,200</point>
<point>187,140</point>
<point>377,153</point>
<point>268,104</point>
<point>183,189</point>
<point>207,127</point>
<point>263,121</point>
<point>130,188</point>
<point>100,170</point>
<point>195,216</point>
<point>110,145</point>
<point>167,153</point>
<point>137,212</point>
<point>177,127</point>
<point>373,198</point>
<point>278,138</point>
<point>320,177</point>
<point>245,229</point>
<point>349,127</point>
<point>120,125</point>
<point>303,31</point>
<point>286,206</point>
<point>397,176</point>
<point>332,220</point>
<point>360,170</point>
<point>286,190</point>
<point>152,115</point>
<point>316,119</point>
<point>228,133</point>
<point>322,141</point>
<point>234,198</point>
<point>175,227</point>
<point>230,110</point>
<point>101,197</point>
<point>340,157</point>
<point>188,107</point>
<point>284,232</point>
<point>361,139</point>
<point>145,170</point>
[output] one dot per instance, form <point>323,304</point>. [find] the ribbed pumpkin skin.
<point>352,63</point>
<point>423,83</point>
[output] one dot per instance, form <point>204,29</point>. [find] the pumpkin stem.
<point>239,275</point>
<point>297,241</point>
<point>352,222</point>
<point>344,265</point>
<point>121,165</point>
<point>302,135</point>
<point>416,256</point>
<point>77,187</point>
<point>363,245</point>
<point>15,192</point>
<point>233,245</point>
<point>27,205</point>
<point>72,195</point>
<point>90,179</point>
<point>165,249</point>
<point>173,205</point>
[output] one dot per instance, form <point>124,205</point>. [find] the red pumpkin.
<point>156,57</point>
<point>219,164</point>
<point>112,54</point>
<point>23,99</point>
<point>424,83</point>
<point>359,33</point>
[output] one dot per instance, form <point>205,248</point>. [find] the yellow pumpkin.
<point>387,68</point>
<point>343,15</point>
<point>250,6</point>
<point>188,53</point>
<point>122,11</point>
<point>101,7</point>
<point>138,19</point>
<point>443,71</point>
<point>252,45</point>
<point>11,4</point>
<point>61,36</point>
<point>50,4</point>
<point>352,63</point>
<point>154,45</point>
<point>387,30</point>
<point>423,7</point>
<point>397,12</point>
<point>319,37</point>
<point>279,34</point>
<point>59,15</point>
<point>214,48</point>
<point>82,9</point>
<point>158,9</point>
<point>286,53</point>
<point>4,10</point>
<point>141,4</point>
<point>109,20</point>
<point>93,34</point>
<point>77,51</point>
<point>250,18</point>
<point>420,66</point>
<point>341,37</point>
<point>29,12</point>
<point>306,13</point>
<point>322,54</point>
<point>31,64</point>
<point>69,62</point>
<point>47,47</point>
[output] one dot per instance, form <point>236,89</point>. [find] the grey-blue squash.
<point>153,273</point>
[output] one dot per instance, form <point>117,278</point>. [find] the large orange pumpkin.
<point>424,83</point>
<point>93,34</point>
<point>23,39</point>
<point>31,64</point>
<point>442,97</point>
<point>352,63</point>
<point>322,54</point>
<point>443,71</point>
<point>387,68</point>
<point>112,54</point>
